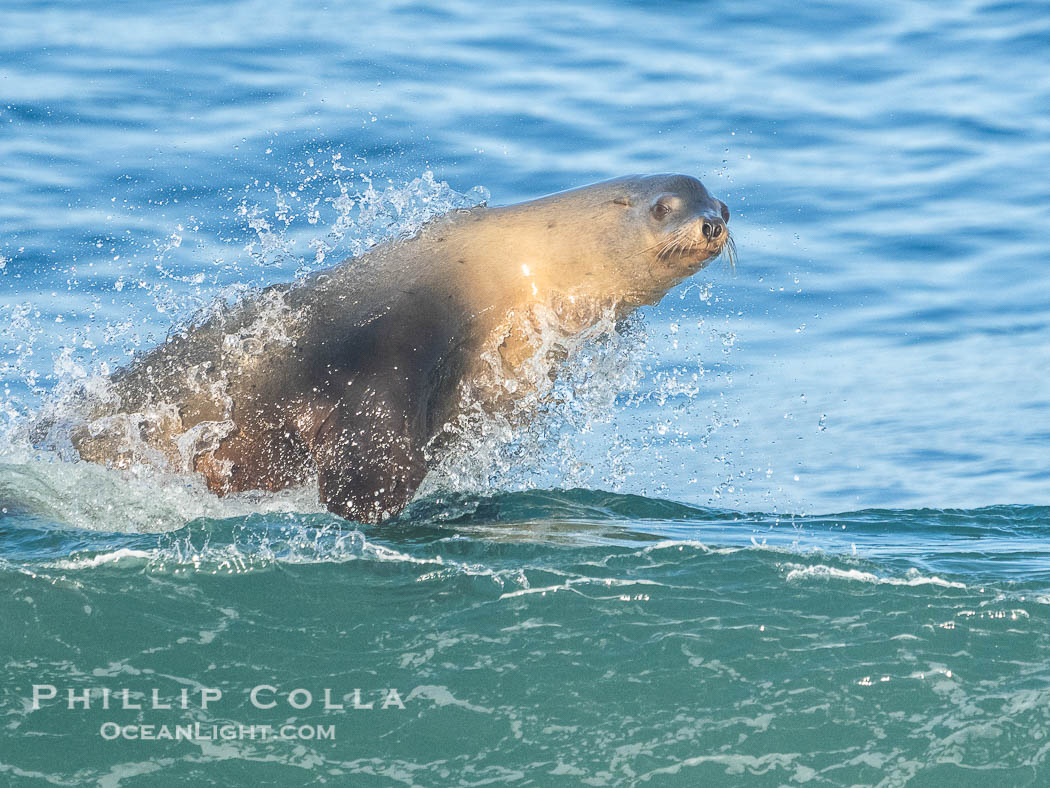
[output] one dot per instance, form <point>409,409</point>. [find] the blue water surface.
<point>807,546</point>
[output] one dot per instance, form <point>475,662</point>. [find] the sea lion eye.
<point>661,210</point>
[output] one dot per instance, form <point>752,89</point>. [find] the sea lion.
<point>349,374</point>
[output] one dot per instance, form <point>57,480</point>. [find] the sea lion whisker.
<point>675,243</point>
<point>669,249</point>
<point>643,251</point>
<point>729,247</point>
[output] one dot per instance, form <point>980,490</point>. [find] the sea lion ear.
<point>625,201</point>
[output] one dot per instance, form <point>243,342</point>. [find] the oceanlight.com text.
<point>196,731</point>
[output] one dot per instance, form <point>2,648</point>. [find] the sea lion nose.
<point>713,229</point>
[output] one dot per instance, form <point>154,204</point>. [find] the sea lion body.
<point>350,373</point>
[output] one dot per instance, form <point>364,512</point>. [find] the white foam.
<point>569,585</point>
<point>140,500</point>
<point>442,696</point>
<point>829,572</point>
<point>123,554</point>
<point>681,544</point>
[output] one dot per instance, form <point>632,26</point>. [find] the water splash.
<point>578,409</point>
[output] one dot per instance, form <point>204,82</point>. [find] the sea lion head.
<point>632,239</point>
<point>625,241</point>
<point>679,227</point>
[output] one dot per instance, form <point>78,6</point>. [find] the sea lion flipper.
<point>366,474</point>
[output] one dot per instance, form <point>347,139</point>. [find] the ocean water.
<point>788,527</point>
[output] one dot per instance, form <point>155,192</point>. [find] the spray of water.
<point>575,412</point>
